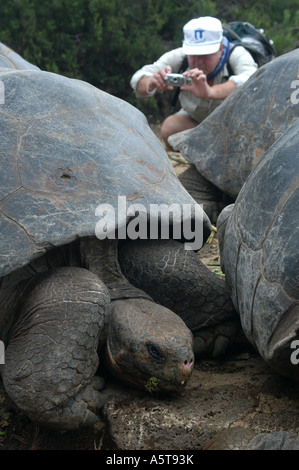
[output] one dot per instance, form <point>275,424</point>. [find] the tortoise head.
<point>148,346</point>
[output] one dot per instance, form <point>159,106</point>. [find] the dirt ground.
<point>236,394</point>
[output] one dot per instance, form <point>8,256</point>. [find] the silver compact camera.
<point>176,79</point>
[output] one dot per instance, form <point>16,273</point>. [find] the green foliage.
<point>105,41</point>
<point>101,41</point>
<point>152,385</point>
<point>280,20</point>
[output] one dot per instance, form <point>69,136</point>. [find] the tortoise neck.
<point>100,257</point>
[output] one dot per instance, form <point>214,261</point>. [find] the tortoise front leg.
<point>51,356</point>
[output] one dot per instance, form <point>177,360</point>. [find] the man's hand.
<point>157,81</point>
<point>202,89</point>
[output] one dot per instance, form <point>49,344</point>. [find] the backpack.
<point>241,33</point>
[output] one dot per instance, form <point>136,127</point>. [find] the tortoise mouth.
<point>111,362</point>
<point>147,382</point>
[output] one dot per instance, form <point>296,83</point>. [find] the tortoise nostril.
<point>188,364</point>
<point>190,361</point>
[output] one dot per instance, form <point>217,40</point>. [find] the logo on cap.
<point>198,34</point>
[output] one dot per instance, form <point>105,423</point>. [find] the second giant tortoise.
<point>227,145</point>
<point>69,152</point>
<point>259,244</point>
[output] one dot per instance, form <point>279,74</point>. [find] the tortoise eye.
<point>155,352</point>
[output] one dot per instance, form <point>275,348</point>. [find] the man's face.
<point>206,63</point>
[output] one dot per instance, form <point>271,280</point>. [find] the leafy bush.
<point>280,20</point>
<point>105,41</point>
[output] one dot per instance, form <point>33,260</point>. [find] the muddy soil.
<point>236,394</point>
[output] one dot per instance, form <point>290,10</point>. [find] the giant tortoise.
<point>259,246</point>
<point>69,153</point>
<point>227,145</point>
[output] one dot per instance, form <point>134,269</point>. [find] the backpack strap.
<point>223,59</point>
<point>183,68</point>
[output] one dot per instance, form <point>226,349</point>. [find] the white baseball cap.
<point>202,36</point>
